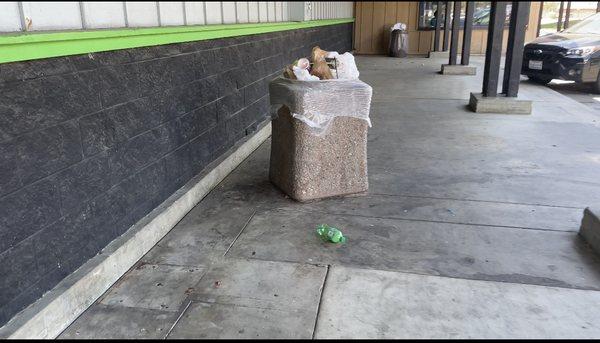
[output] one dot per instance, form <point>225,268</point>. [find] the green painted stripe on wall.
<point>31,46</point>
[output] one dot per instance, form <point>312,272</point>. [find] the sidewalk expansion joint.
<point>239,233</point>
<point>320,301</point>
<point>178,319</point>
<point>427,220</point>
<point>472,200</point>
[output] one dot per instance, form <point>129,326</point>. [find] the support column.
<point>539,22</point>
<point>567,15</point>
<point>489,101</point>
<point>455,32</point>
<point>463,69</point>
<point>560,16</point>
<point>493,50</point>
<point>467,33</point>
<point>519,18</point>
<point>446,27</point>
<point>438,23</point>
<point>438,26</point>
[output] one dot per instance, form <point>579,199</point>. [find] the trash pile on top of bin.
<point>324,66</point>
<point>320,89</point>
<point>320,122</point>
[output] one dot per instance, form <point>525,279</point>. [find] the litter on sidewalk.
<point>330,234</point>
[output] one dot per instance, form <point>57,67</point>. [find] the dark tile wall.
<point>89,144</point>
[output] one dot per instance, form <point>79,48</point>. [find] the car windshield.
<point>588,25</point>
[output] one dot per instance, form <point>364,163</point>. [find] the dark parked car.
<point>572,54</point>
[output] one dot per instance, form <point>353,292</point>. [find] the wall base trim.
<point>58,308</point>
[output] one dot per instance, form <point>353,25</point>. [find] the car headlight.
<point>583,51</point>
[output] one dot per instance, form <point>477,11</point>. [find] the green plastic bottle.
<point>331,234</point>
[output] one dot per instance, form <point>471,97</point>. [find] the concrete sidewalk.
<point>469,230</point>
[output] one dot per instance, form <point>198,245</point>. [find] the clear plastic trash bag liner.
<point>317,103</point>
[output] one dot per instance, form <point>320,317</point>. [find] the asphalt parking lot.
<point>582,93</point>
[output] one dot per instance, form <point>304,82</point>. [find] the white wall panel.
<point>286,15</point>
<point>321,6</point>
<point>253,9</point>
<point>270,11</point>
<point>262,11</point>
<point>194,12</point>
<point>10,20</point>
<point>171,13</point>
<point>229,10</point>
<point>142,13</point>
<point>99,15</point>
<point>112,14</point>
<point>278,13</point>
<point>52,15</point>
<point>331,9</point>
<point>213,12</point>
<point>242,11</point>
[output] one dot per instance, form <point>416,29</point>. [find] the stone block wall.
<point>89,144</point>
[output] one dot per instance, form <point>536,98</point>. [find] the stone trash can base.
<point>308,167</point>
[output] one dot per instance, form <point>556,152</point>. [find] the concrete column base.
<point>439,54</point>
<point>500,104</point>
<point>590,228</point>
<point>458,69</point>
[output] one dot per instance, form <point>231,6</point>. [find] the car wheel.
<point>540,80</point>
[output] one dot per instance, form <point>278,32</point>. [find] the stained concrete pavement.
<point>583,93</point>
<point>360,303</point>
<point>469,230</point>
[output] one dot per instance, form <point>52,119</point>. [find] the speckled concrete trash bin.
<point>320,155</point>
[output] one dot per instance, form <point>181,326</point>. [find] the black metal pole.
<point>467,31</point>
<point>519,18</point>
<point>446,27</point>
<point>560,16</point>
<point>567,15</point>
<point>539,23</point>
<point>438,26</point>
<point>493,51</point>
<point>598,7</point>
<point>455,32</point>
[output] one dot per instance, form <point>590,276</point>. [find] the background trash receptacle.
<point>319,137</point>
<point>398,46</point>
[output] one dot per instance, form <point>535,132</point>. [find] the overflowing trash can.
<point>398,45</point>
<point>319,135</point>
